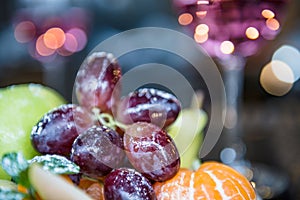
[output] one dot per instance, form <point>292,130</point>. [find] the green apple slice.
<point>21,106</point>
<point>187,134</point>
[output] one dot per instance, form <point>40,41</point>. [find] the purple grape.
<point>151,151</point>
<point>75,178</point>
<point>148,105</point>
<point>129,184</point>
<point>57,130</point>
<point>96,82</point>
<point>97,151</point>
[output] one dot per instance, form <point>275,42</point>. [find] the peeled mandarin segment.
<point>96,191</point>
<point>93,188</point>
<point>227,182</point>
<point>211,181</point>
<point>178,187</point>
<point>205,187</point>
<point>85,183</point>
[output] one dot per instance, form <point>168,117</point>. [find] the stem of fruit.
<point>107,119</point>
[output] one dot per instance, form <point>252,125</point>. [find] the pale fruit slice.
<point>187,134</point>
<point>21,106</point>
<point>50,186</point>
<point>8,184</point>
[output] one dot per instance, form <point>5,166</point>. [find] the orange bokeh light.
<point>273,24</point>
<point>201,38</point>
<point>54,38</point>
<point>202,29</point>
<point>268,14</point>
<point>41,48</point>
<point>252,33</point>
<point>201,14</point>
<point>185,19</point>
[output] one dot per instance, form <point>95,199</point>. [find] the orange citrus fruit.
<point>93,188</point>
<point>211,181</point>
<point>96,191</point>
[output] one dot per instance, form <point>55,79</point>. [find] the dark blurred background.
<point>271,121</point>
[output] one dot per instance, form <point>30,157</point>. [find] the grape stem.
<point>107,119</point>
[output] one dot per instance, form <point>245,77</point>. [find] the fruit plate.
<point>140,146</point>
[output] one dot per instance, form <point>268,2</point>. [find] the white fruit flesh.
<point>52,187</point>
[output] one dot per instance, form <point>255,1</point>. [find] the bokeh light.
<point>54,38</point>
<point>277,78</point>
<point>41,48</point>
<point>201,38</point>
<point>185,19</point>
<point>268,14</point>
<point>228,155</point>
<point>227,47</point>
<point>201,14</point>
<point>80,36</point>
<point>71,43</point>
<point>273,24</point>
<point>70,46</point>
<point>252,33</point>
<point>282,71</point>
<point>291,56</point>
<point>25,31</point>
<point>199,2</point>
<point>185,2</point>
<point>202,29</point>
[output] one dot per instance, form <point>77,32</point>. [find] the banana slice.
<point>52,187</point>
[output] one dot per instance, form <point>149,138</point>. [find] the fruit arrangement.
<point>108,147</point>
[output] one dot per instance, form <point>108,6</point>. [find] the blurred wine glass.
<point>230,31</point>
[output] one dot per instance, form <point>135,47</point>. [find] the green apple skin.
<point>187,133</point>
<point>21,107</point>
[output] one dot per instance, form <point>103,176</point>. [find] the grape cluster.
<point>128,150</point>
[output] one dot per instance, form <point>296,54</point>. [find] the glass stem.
<point>233,73</point>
